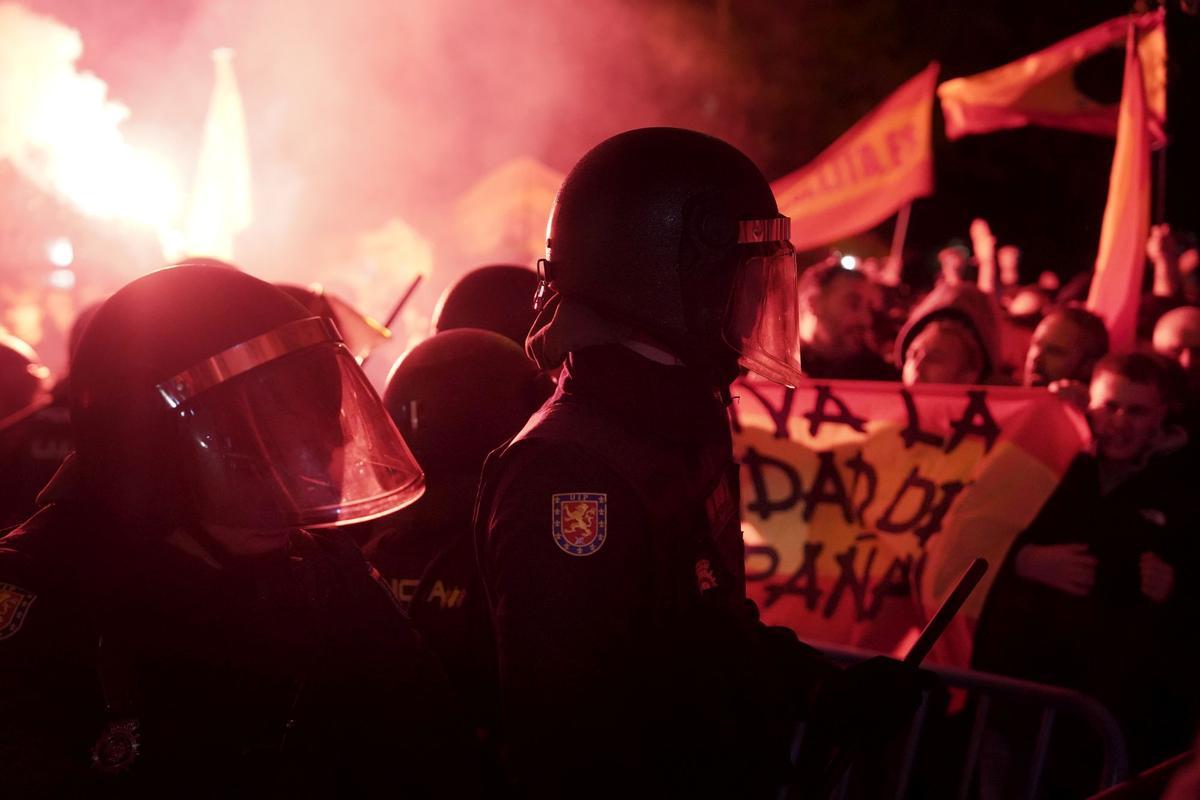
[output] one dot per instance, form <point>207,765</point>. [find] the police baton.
<point>404,298</point>
<point>916,654</point>
<point>396,309</point>
<point>950,606</point>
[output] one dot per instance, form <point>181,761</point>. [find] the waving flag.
<point>1117,282</point>
<point>864,177</point>
<point>1039,89</point>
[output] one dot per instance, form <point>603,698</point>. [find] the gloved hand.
<point>872,701</point>
<point>859,710</point>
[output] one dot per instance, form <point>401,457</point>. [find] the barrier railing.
<point>984,690</point>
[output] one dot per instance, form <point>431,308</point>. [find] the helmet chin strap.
<point>718,377</point>
<point>653,352</point>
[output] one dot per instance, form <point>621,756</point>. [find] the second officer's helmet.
<point>672,235</point>
<point>496,297</point>
<point>201,393</point>
<point>459,395</point>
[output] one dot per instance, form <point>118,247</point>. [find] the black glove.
<point>859,710</point>
<point>874,700</point>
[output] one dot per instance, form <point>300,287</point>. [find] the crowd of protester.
<point>1098,594</point>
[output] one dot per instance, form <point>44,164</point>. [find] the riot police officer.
<point>608,529</point>
<point>181,619</point>
<point>36,440</point>
<point>455,397</point>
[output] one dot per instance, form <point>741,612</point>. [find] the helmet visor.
<point>290,434</point>
<point>762,321</point>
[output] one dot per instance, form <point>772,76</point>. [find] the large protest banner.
<point>863,502</point>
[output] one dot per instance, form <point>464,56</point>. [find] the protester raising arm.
<point>1163,251</point>
<point>983,242</point>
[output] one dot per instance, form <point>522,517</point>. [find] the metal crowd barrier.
<point>986,690</point>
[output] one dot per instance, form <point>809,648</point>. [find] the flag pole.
<point>1159,212</point>
<point>396,309</point>
<point>404,298</point>
<point>895,261</point>
<point>1160,184</point>
<point>901,232</point>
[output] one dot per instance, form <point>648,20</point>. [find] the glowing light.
<point>60,252</point>
<point>114,180</point>
<point>61,130</point>
<point>174,244</point>
<point>849,262</point>
<point>62,279</point>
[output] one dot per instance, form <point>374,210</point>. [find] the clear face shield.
<point>284,430</point>
<point>762,320</point>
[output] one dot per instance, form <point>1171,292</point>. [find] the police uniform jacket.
<point>426,555</point>
<point>33,444</point>
<point>150,668</point>
<point>609,542</point>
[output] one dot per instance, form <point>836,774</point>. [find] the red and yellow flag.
<point>1117,283</point>
<point>872,170</point>
<point>862,503</point>
<point>1039,89</point>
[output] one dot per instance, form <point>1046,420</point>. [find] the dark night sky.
<point>1042,189</point>
<point>362,110</point>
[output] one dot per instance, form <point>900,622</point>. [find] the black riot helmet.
<point>22,375</point>
<point>79,325</point>
<point>674,236</point>
<point>498,297</point>
<point>459,395</point>
<point>200,393</point>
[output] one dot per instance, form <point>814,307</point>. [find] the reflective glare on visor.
<point>762,322</point>
<point>290,436</point>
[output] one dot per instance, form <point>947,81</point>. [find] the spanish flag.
<point>862,503</point>
<point>1117,282</point>
<point>1040,89</point>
